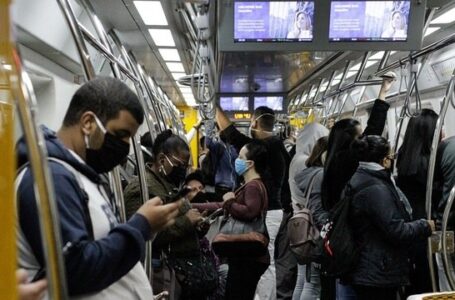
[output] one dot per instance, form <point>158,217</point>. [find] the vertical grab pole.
<point>44,191</point>
<point>445,257</point>
<point>432,165</point>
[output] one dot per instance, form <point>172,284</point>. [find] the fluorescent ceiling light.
<point>377,56</point>
<point>445,18</point>
<point>151,12</point>
<point>162,37</point>
<point>430,30</point>
<point>177,75</point>
<point>169,54</point>
<point>175,67</point>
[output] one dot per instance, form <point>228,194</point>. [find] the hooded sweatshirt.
<point>101,257</point>
<point>306,140</point>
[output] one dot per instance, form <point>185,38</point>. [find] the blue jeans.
<point>345,292</point>
<point>305,290</point>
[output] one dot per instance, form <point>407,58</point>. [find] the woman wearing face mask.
<point>165,174</point>
<point>247,203</point>
<point>381,223</point>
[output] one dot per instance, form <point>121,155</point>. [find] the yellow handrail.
<point>7,169</point>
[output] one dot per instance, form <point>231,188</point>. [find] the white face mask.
<point>251,129</point>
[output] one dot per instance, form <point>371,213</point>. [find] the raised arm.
<point>378,115</point>
<point>233,136</point>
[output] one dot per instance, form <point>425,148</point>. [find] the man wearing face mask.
<point>101,256</point>
<point>275,179</point>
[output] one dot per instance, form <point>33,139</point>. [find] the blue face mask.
<point>240,166</point>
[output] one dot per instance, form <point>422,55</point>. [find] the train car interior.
<point>189,60</point>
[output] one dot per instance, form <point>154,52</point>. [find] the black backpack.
<point>340,251</point>
<point>208,168</point>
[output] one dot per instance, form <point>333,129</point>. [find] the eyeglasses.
<point>180,163</point>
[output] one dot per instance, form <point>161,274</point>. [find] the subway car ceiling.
<point>183,43</point>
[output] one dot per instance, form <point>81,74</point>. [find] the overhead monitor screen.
<point>273,21</point>
<point>234,103</point>
<point>369,21</point>
<point>275,103</point>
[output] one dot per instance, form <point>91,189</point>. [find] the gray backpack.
<point>304,238</point>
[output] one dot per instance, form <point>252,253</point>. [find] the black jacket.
<point>344,165</point>
<point>276,177</point>
<point>383,229</point>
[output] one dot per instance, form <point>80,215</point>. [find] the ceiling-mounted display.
<point>369,21</point>
<point>234,103</point>
<point>273,21</point>
<point>273,102</point>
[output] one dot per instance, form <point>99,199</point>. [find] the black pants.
<point>375,293</point>
<point>285,262</point>
<point>420,271</point>
<point>242,279</point>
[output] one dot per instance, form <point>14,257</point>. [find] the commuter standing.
<point>179,243</point>
<point>101,256</point>
<point>246,204</point>
<point>445,177</point>
<point>311,178</point>
<point>341,165</point>
<point>380,217</point>
<point>223,155</point>
<point>275,180</point>
<point>412,169</point>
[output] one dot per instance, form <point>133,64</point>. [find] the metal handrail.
<point>445,257</point>
<point>139,89</point>
<point>76,32</point>
<point>44,190</point>
<point>424,51</point>
<point>105,51</point>
<point>432,163</point>
<point>403,110</point>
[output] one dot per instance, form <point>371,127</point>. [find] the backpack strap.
<point>87,220</point>
<point>309,188</point>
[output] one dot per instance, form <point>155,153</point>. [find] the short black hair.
<point>257,152</point>
<point>266,117</point>
<point>106,97</point>
<point>196,175</point>
<point>168,143</point>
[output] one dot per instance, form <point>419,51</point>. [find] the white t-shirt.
<point>134,285</point>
